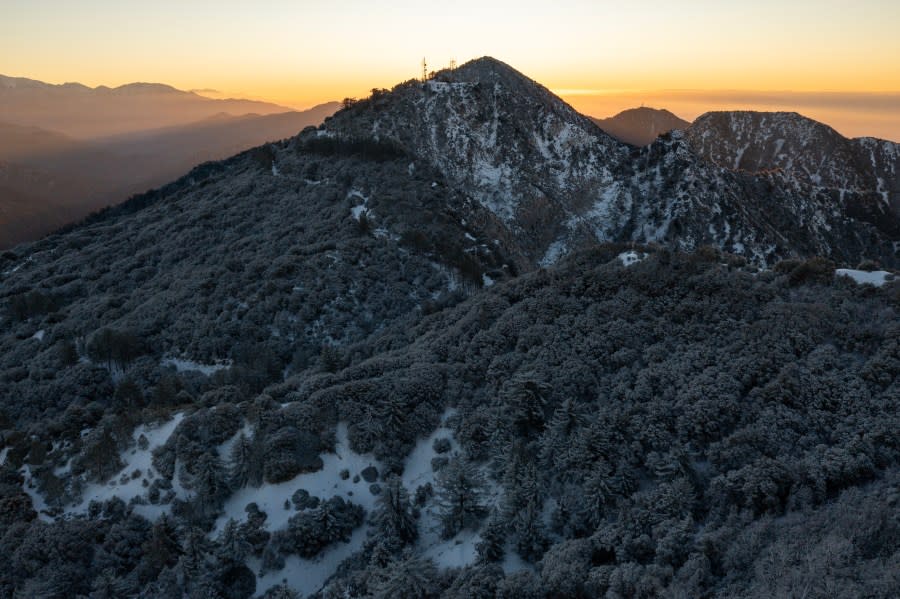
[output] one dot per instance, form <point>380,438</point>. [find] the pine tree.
<point>528,528</point>
<point>162,549</point>
<point>281,591</point>
<point>209,484</point>
<point>598,493</point>
<point>392,412</point>
<point>196,555</point>
<point>493,539</point>
<point>555,452</point>
<point>460,496</point>
<point>107,586</point>
<point>245,463</point>
<point>393,515</point>
<point>523,398</point>
<point>232,544</point>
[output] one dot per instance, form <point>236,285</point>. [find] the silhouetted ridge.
<point>640,126</point>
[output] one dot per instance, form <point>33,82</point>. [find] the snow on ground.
<point>308,575</point>
<point>450,553</point>
<point>417,467</point>
<point>458,552</point>
<point>359,209</point>
<point>3,455</point>
<point>182,365</point>
<point>863,277</point>
<point>557,250</point>
<point>139,458</point>
<point>274,169</point>
<point>631,257</point>
<point>324,483</point>
<point>39,335</point>
<point>486,280</point>
<point>37,500</point>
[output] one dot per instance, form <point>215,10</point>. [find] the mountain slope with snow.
<point>862,175</point>
<point>559,183</point>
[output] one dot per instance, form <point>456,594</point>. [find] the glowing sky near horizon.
<point>300,53</point>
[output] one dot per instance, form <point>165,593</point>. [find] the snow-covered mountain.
<point>861,175</point>
<point>558,182</point>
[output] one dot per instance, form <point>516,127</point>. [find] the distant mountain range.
<point>84,112</point>
<point>140,136</point>
<point>640,126</point>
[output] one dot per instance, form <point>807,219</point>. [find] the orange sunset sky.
<point>836,61</point>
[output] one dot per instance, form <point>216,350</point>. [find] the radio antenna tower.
<point>452,64</point>
<point>424,71</point>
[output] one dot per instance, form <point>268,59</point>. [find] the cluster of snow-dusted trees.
<point>679,427</point>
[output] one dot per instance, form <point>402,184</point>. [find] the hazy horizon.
<point>302,54</point>
<point>853,114</point>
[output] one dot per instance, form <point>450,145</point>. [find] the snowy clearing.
<point>324,483</point>
<point>862,277</point>
<point>139,458</point>
<point>308,575</point>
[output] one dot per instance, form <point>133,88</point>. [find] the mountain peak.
<point>519,150</point>
<point>640,126</point>
<point>485,67</point>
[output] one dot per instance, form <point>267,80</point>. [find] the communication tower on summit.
<point>424,71</point>
<point>452,64</point>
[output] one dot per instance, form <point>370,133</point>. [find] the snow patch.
<point>39,335</point>
<point>557,250</point>
<point>486,280</point>
<point>324,483</point>
<point>182,365</point>
<point>862,277</point>
<point>631,257</point>
<point>308,575</point>
<point>135,459</point>
<point>357,211</point>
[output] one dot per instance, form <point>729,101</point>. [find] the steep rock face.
<point>641,126</point>
<point>861,174</point>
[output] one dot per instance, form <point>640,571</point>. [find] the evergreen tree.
<point>529,532</point>
<point>524,398</point>
<point>493,539</point>
<point>244,467</point>
<point>107,586</point>
<point>161,550</point>
<point>460,496</point>
<point>232,544</point>
<point>209,485</point>
<point>393,516</point>
<point>196,556</point>
<point>555,453</point>
<point>281,591</point>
